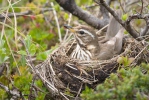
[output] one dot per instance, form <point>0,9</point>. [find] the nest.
<point>65,76</point>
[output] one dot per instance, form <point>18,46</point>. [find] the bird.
<point>90,48</point>
<point>87,42</point>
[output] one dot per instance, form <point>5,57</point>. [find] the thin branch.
<point>104,12</point>
<point>141,7</point>
<point>15,22</point>
<point>11,15</point>
<point>3,33</point>
<point>15,93</point>
<point>126,25</point>
<point>69,19</point>
<point>31,95</point>
<point>71,6</point>
<point>140,16</point>
<point>144,32</point>
<point>57,23</point>
<point>28,12</point>
<point>79,92</point>
<point>121,6</point>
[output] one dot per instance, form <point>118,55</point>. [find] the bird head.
<point>85,36</point>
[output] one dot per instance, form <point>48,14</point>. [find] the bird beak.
<point>70,28</point>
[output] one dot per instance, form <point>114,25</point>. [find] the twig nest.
<point>63,74</point>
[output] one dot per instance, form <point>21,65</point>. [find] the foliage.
<point>31,36</point>
<point>125,84</point>
<point>36,35</point>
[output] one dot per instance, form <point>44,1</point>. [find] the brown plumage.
<point>88,42</point>
<point>113,28</point>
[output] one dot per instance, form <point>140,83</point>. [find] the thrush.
<point>88,46</point>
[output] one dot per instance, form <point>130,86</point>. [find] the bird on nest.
<point>90,48</point>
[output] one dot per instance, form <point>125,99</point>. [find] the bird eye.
<point>81,32</point>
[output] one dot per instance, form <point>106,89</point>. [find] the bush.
<point>131,84</point>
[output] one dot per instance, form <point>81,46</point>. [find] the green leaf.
<point>124,17</point>
<point>2,42</point>
<point>30,46</point>
<point>57,7</point>
<point>4,80</point>
<point>28,40</point>
<point>3,54</point>
<point>125,61</point>
<point>32,49</point>
<point>22,52</point>
<point>66,16</point>
<point>38,34</point>
<point>43,55</point>
<point>125,32</point>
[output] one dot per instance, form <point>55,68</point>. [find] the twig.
<point>14,93</point>
<point>15,23</point>
<point>7,41</point>
<point>121,6</point>
<point>141,7</point>
<point>144,17</point>
<point>25,13</point>
<point>52,71</point>
<point>141,51</point>
<point>70,17</point>
<point>144,32</point>
<point>105,13</point>
<point>102,28</point>
<point>79,92</point>
<point>11,15</point>
<point>57,23</point>
<point>44,80</point>
<point>126,25</point>
<point>31,88</point>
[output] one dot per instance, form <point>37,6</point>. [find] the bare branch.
<point>140,16</point>
<point>126,25</point>
<point>15,93</point>
<point>28,12</point>
<point>146,29</point>
<point>141,7</point>
<point>71,7</point>
<point>104,12</point>
<point>17,14</point>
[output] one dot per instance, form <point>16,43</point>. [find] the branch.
<point>104,12</point>
<point>145,30</point>
<point>126,25</point>
<point>11,15</point>
<point>28,12</point>
<point>15,93</point>
<point>71,7</point>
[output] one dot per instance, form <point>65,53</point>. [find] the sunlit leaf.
<point>124,17</point>
<point>22,52</point>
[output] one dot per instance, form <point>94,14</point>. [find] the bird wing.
<point>107,49</point>
<point>119,41</point>
<point>112,47</point>
<point>114,26</point>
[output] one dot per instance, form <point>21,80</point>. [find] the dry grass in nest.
<point>62,74</point>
